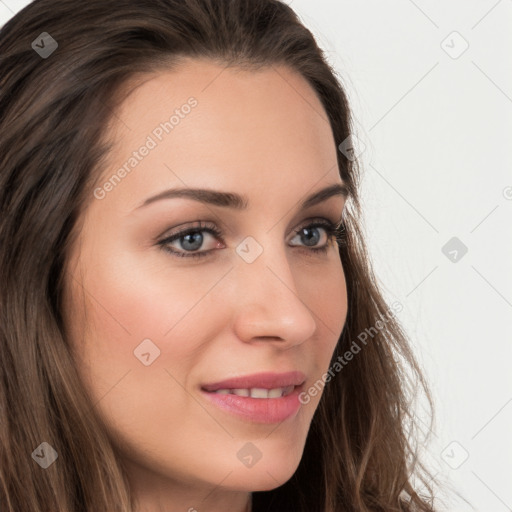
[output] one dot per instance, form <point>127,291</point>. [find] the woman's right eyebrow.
<point>237,201</point>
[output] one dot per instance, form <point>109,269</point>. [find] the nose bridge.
<point>267,300</point>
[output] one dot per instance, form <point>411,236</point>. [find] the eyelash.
<point>332,230</point>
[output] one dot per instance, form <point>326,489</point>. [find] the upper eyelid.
<point>210,226</point>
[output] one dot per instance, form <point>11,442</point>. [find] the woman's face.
<point>152,329</point>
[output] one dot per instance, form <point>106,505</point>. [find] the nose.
<point>268,305</point>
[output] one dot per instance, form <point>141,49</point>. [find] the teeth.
<point>275,393</point>
<point>257,392</point>
<point>260,393</point>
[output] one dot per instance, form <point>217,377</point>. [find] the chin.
<point>265,475</point>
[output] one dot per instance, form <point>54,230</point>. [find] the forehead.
<point>207,124</point>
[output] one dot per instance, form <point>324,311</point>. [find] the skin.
<point>260,133</point>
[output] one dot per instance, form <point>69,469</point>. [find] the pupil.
<point>309,237</point>
<point>196,244</point>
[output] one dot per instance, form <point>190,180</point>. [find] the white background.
<point>436,132</point>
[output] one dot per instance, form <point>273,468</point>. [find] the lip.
<point>258,410</point>
<point>266,380</point>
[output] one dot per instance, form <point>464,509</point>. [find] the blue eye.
<point>310,236</point>
<point>192,239</point>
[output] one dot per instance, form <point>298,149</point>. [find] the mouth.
<point>256,392</point>
<point>259,398</point>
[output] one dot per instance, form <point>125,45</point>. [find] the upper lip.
<point>267,380</point>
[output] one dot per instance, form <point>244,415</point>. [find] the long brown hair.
<point>63,65</point>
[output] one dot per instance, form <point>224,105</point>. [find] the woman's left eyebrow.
<point>240,202</point>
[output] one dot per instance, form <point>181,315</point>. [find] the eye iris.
<point>197,240</point>
<point>310,240</point>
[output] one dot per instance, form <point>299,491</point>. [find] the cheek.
<point>326,297</point>
<point>129,305</point>
<point>329,304</point>
<point>136,297</point>
<point>139,310</point>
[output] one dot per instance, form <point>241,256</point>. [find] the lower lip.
<point>258,410</point>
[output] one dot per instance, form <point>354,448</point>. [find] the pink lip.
<point>267,380</point>
<point>258,410</point>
